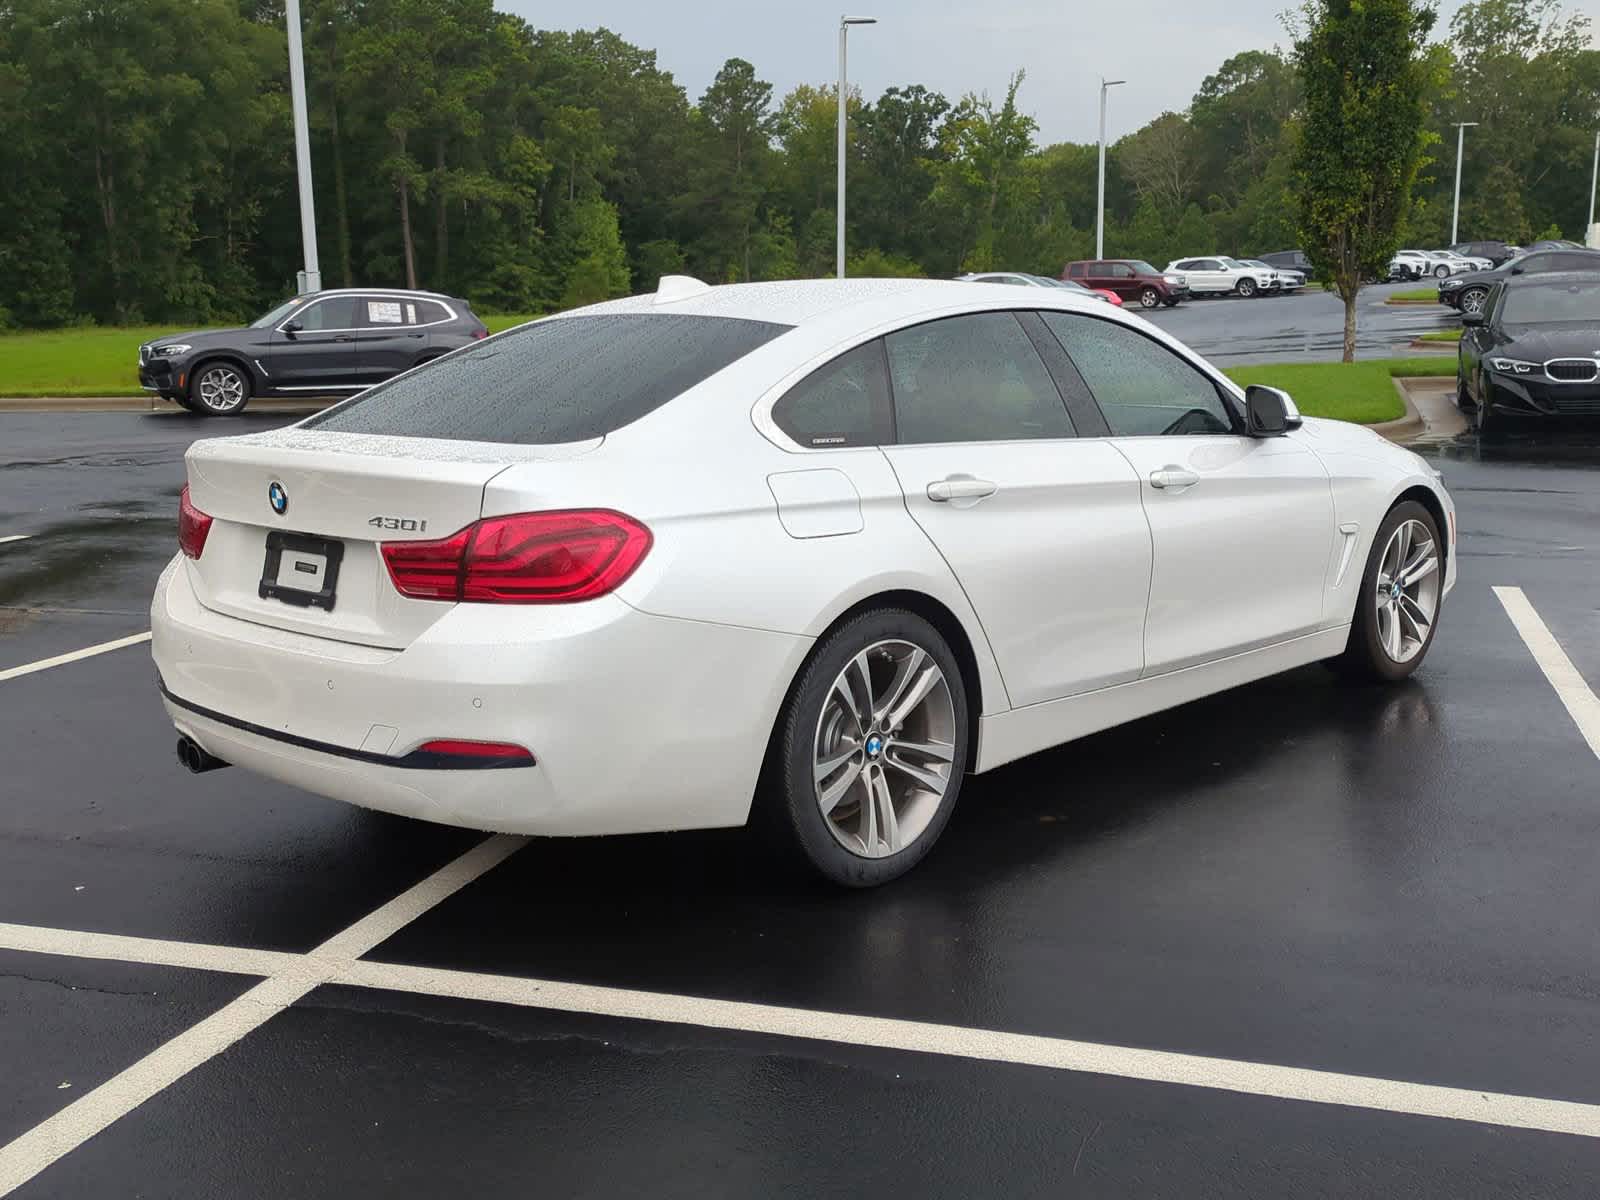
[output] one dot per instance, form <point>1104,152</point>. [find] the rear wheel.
<point>867,760</point>
<point>218,389</point>
<point>1149,297</point>
<point>1401,590</point>
<point>1441,271</point>
<point>1246,288</point>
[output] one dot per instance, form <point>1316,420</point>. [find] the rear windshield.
<point>564,380</point>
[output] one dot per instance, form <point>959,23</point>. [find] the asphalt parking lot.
<point>1298,939</point>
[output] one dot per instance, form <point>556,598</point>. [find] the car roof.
<point>1553,278</point>
<point>381,291</point>
<point>801,302</point>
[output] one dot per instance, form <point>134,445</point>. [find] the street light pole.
<point>1100,192</point>
<point>310,278</point>
<point>844,109</point>
<point>1461,141</point>
<point>1594,180</point>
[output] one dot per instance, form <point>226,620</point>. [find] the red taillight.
<point>479,334</point>
<point>459,748</point>
<point>530,558</point>
<point>193,525</point>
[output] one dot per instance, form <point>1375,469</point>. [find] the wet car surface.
<point>1398,884</point>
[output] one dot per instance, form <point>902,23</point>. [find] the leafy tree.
<point>1365,70</point>
<point>599,267</point>
<point>979,176</point>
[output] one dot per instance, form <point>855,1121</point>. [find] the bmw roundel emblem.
<point>278,498</point>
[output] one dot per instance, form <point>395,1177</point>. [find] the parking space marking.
<point>15,537</point>
<point>1571,687</point>
<point>335,962</point>
<point>61,660</point>
<point>25,1157</point>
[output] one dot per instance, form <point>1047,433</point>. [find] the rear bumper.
<point>637,723</point>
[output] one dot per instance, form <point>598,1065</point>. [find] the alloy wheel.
<point>1150,298</point>
<point>883,749</point>
<point>1407,591</point>
<point>221,389</point>
<point>1472,300</point>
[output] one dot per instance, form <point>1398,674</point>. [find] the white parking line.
<point>297,974</point>
<point>61,660</point>
<point>35,1150</point>
<point>15,537</point>
<point>1571,687</point>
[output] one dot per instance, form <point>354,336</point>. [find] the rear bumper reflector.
<point>451,755</point>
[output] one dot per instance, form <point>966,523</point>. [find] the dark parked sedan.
<point>1468,292</point>
<point>325,343</point>
<point>1534,351</point>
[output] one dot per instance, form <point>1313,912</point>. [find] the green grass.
<point>103,362</point>
<point>1440,335</point>
<point>1361,391</point>
<point>1429,294</point>
<point>96,361</point>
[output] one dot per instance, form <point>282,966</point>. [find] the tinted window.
<point>1143,388</point>
<point>1575,260</point>
<point>429,311</point>
<point>972,379</point>
<point>339,312</point>
<point>1077,270</point>
<point>1119,270</point>
<point>1552,302</point>
<point>843,403</point>
<point>1188,264</point>
<point>563,380</point>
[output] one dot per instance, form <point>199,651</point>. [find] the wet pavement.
<point>1397,883</point>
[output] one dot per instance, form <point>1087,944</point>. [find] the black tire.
<point>1364,656</point>
<point>1471,299</point>
<point>1171,303</point>
<point>1149,298</point>
<point>787,807</point>
<point>1441,272</point>
<point>1246,288</point>
<point>1464,400</point>
<point>227,383</point>
<point>1484,419</point>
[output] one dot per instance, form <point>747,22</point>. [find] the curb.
<point>1415,303</point>
<point>1440,347</point>
<point>143,404</point>
<point>1401,429</point>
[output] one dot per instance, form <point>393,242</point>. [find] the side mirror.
<point>1270,411</point>
<point>1472,318</point>
<point>1518,270</point>
<point>293,327</point>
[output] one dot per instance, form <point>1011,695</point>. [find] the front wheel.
<point>868,756</point>
<point>218,389</point>
<point>1401,590</point>
<point>1441,271</point>
<point>1149,298</point>
<point>1247,288</point>
<point>1472,300</point>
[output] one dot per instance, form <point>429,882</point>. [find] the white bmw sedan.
<point>800,554</point>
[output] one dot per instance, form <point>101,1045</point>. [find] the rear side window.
<point>842,403</point>
<point>429,311</point>
<point>972,379</point>
<point>1078,271</point>
<point>563,380</point>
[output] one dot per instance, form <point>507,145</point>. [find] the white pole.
<point>838,249</point>
<point>1100,190</point>
<point>311,277</point>
<point>1594,179</point>
<point>1461,141</point>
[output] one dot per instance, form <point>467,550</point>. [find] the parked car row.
<point>1469,293</point>
<point>1133,280</point>
<point>325,343</point>
<point>1024,279</point>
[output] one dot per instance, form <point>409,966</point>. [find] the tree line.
<point>148,157</point>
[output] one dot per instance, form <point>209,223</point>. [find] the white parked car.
<point>1220,275</point>
<point>1463,263</point>
<point>1025,279</point>
<point>1284,279</point>
<point>804,554</point>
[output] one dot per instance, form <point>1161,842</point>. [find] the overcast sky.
<point>1164,48</point>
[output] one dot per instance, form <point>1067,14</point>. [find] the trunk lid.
<point>341,496</point>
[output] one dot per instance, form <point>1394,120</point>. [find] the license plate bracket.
<point>291,556</point>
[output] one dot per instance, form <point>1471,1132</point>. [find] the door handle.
<point>344,337</point>
<point>960,487</point>
<point>1173,476</point>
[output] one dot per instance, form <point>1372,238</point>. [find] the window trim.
<point>360,298</point>
<point>1225,396</point>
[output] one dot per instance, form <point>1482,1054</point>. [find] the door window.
<point>1119,270</point>
<point>379,312</point>
<point>1143,388</point>
<point>975,378</point>
<point>337,312</point>
<point>1078,271</point>
<point>842,403</point>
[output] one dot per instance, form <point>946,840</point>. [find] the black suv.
<point>1495,252</point>
<point>321,344</point>
<point>1294,260</point>
<point>1468,292</point>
